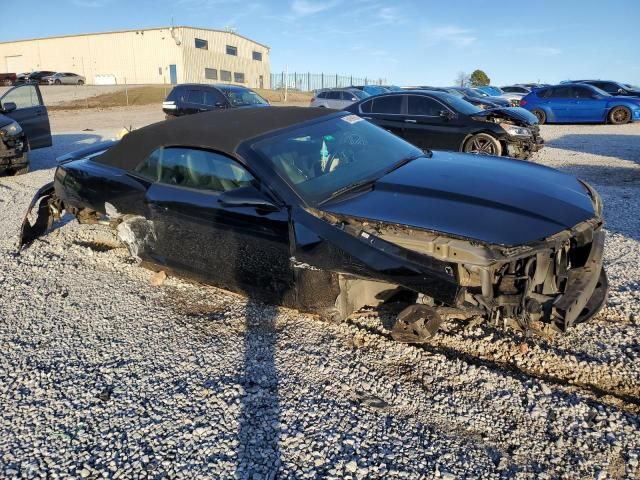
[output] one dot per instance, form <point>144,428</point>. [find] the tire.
<point>58,82</point>
<point>619,115</point>
<point>80,82</point>
<point>540,115</point>
<point>483,144</point>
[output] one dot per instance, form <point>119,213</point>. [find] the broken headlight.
<point>516,131</point>
<point>10,130</point>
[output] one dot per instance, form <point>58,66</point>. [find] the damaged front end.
<point>545,286</point>
<point>13,149</point>
<point>522,137</point>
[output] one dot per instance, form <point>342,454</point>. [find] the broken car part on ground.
<point>321,211</point>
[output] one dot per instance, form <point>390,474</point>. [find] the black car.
<point>190,98</point>
<point>34,77</point>
<point>614,88</point>
<point>322,211</point>
<point>24,126</point>
<point>440,121</point>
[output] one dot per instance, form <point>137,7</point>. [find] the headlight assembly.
<point>516,131</point>
<point>10,130</point>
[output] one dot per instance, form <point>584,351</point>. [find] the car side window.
<point>196,96</point>
<point>24,96</point>
<point>212,97</point>
<point>322,95</point>
<point>349,96</point>
<point>421,105</point>
<point>608,87</point>
<point>365,107</point>
<point>194,168</point>
<point>333,95</point>
<point>561,92</point>
<point>391,104</point>
<point>582,92</point>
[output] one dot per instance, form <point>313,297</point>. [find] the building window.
<point>232,50</point>
<point>238,77</point>
<point>210,73</point>
<point>203,44</point>
<point>225,75</point>
<point>257,56</point>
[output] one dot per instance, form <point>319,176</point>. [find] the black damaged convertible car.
<point>322,211</point>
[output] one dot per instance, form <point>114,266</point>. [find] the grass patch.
<point>155,95</point>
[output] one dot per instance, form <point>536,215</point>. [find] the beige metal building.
<point>155,55</point>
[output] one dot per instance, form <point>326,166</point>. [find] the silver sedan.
<point>64,78</point>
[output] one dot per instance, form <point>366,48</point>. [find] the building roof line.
<point>134,30</point>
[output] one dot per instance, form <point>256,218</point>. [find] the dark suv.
<point>24,126</point>
<point>192,98</point>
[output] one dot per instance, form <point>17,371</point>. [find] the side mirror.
<point>622,91</point>
<point>247,197</point>
<point>8,107</point>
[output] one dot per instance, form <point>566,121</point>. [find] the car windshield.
<point>460,105</point>
<point>243,98</point>
<point>631,87</point>
<point>323,158</point>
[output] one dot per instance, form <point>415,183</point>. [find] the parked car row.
<point>42,77</point>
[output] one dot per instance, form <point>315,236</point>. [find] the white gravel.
<point>102,375</point>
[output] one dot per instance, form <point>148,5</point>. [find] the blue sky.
<point>407,42</point>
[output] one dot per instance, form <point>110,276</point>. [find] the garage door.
<point>14,64</point>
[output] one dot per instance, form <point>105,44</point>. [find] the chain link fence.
<point>308,82</point>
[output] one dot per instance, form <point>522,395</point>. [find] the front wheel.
<point>620,115</point>
<point>58,82</point>
<point>80,82</point>
<point>483,143</point>
<point>540,115</point>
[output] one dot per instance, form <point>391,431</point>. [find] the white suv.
<point>337,98</point>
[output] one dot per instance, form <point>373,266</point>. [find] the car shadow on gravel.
<point>63,143</point>
<point>621,147</point>
<point>258,451</point>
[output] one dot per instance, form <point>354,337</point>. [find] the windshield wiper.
<point>364,184</point>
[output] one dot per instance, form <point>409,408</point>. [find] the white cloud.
<point>389,15</point>
<point>448,34</point>
<point>302,8</point>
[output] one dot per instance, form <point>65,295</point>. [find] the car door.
<point>386,112</point>
<point>588,106</point>
<point>334,99</point>
<point>347,98</point>
<point>29,112</point>
<point>194,101</point>
<point>561,103</point>
<point>243,247</point>
<point>432,125</point>
<point>214,99</point>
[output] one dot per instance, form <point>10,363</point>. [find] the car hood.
<point>4,120</point>
<point>489,199</point>
<point>513,113</point>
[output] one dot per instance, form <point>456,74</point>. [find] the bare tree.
<point>462,80</point>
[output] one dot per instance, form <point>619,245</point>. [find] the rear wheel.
<point>80,82</point>
<point>483,143</point>
<point>620,115</point>
<point>540,115</point>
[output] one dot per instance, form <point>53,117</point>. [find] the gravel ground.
<point>104,375</point>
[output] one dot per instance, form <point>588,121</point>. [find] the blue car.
<point>490,90</point>
<point>580,103</point>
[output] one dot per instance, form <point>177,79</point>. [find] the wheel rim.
<point>620,115</point>
<point>481,145</point>
<point>539,115</point>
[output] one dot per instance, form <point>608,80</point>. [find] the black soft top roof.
<point>221,130</point>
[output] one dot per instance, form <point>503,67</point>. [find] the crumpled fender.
<point>44,220</point>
